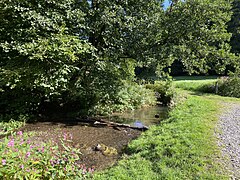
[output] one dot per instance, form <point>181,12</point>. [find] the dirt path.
<point>229,138</point>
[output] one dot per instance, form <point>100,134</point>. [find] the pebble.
<point>229,138</point>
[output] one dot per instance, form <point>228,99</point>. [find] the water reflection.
<point>141,117</point>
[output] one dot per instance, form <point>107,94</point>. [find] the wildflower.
<point>28,154</point>
<point>31,147</point>
<point>65,136</point>
<point>4,161</point>
<point>11,143</point>
<point>22,142</point>
<point>90,170</point>
<point>19,133</point>
<point>22,166</point>
<point>42,149</point>
<point>84,171</point>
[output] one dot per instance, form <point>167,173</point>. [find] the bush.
<point>24,157</point>
<point>9,126</point>
<point>164,91</point>
<point>130,96</point>
<point>229,86</point>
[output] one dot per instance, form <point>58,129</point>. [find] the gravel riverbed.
<point>229,138</point>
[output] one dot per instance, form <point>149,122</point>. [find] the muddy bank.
<point>86,136</point>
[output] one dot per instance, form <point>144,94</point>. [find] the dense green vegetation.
<point>72,56</point>
<point>24,157</point>
<point>229,86</point>
<point>182,147</point>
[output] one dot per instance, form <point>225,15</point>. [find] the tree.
<point>234,27</point>
<point>63,51</point>
<point>40,51</point>
<point>195,33</point>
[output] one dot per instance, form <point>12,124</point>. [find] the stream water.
<point>146,116</point>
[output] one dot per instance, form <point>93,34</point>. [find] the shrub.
<point>164,91</point>
<point>229,86</point>
<point>130,96</point>
<point>7,127</point>
<point>23,156</point>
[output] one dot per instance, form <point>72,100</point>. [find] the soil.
<point>86,136</point>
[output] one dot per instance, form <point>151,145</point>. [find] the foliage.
<point>229,86</point>
<point>130,96</point>
<point>69,52</point>
<point>183,147</point>
<point>74,54</point>
<point>9,126</point>
<point>195,33</point>
<point>164,91</point>
<point>40,53</point>
<point>234,25</point>
<point>24,157</point>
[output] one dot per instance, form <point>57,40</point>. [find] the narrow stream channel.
<point>146,116</point>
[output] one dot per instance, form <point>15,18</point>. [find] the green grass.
<point>204,84</point>
<point>194,78</point>
<point>183,147</point>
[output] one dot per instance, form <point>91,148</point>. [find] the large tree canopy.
<point>234,26</point>
<point>73,50</point>
<point>195,33</point>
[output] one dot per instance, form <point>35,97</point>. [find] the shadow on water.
<point>146,116</point>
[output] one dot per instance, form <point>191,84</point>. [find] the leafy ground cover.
<point>8,127</point>
<point>24,156</point>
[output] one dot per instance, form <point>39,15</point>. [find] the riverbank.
<point>184,146</point>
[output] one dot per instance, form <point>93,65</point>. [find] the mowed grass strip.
<point>195,83</point>
<point>182,147</point>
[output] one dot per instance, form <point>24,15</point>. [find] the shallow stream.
<point>146,116</point>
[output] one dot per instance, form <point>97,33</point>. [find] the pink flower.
<point>22,142</point>
<point>19,133</point>
<point>11,143</point>
<point>22,166</point>
<point>42,149</point>
<point>28,154</point>
<point>4,161</point>
<point>65,136</point>
<point>31,147</point>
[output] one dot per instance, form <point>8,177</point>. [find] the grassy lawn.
<point>195,83</point>
<point>182,147</point>
<point>194,78</point>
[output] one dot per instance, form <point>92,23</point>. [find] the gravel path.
<point>229,138</point>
